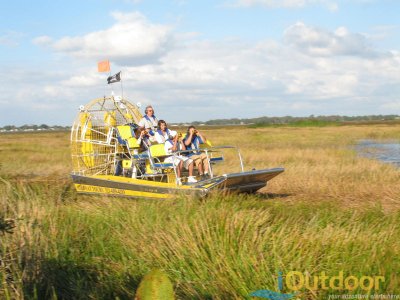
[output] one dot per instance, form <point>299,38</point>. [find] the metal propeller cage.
<point>94,144</point>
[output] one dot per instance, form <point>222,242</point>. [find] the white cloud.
<point>319,42</point>
<point>311,71</point>
<point>86,80</point>
<point>132,40</point>
<point>392,106</point>
<point>43,40</point>
<point>205,72</point>
<point>11,38</point>
<point>313,68</point>
<point>332,6</point>
<point>382,32</point>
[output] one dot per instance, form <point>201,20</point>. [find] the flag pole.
<point>109,74</point>
<point>122,88</point>
<point>111,85</point>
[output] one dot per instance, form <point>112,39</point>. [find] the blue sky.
<point>200,60</point>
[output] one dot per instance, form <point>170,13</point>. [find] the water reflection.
<point>387,152</point>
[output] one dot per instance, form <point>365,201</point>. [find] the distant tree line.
<point>31,127</point>
<point>237,121</point>
<point>290,119</point>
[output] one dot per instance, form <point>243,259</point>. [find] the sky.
<point>200,60</point>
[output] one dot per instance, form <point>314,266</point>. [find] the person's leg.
<point>188,164</point>
<point>179,172</point>
<point>200,166</point>
<point>206,163</point>
<point>118,168</point>
<point>179,169</point>
<point>206,166</point>
<point>197,162</point>
<point>191,165</point>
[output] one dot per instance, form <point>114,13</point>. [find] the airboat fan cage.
<point>94,143</point>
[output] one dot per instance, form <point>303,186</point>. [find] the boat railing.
<point>209,150</point>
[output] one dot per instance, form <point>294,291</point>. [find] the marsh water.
<point>386,151</point>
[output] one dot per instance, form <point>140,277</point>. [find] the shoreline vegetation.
<point>331,211</point>
<point>310,121</point>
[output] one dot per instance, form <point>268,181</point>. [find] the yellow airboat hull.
<point>249,182</point>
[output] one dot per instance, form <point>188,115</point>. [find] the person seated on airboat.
<point>172,143</point>
<point>192,142</point>
<point>143,137</point>
<point>134,144</point>
<point>149,122</point>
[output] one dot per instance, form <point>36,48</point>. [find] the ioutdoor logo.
<point>268,294</point>
<point>297,281</point>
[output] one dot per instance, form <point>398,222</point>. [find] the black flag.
<point>114,78</point>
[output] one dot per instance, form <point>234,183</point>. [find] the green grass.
<point>323,123</point>
<point>329,212</point>
<point>303,123</point>
<point>222,247</point>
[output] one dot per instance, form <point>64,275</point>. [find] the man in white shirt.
<point>149,120</point>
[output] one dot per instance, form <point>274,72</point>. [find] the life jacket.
<point>148,119</point>
<point>151,123</point>
<point>194,145</point>
<point>168,132</point>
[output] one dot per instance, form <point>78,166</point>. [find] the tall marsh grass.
<point>330,211</point>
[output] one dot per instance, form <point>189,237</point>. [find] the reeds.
<point>330,211</point>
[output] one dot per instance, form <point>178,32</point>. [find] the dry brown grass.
<point>320,163</point>
<point>317,216</point>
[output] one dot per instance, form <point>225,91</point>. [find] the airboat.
<point>107,159</point>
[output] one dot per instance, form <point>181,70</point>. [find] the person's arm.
<point>175,142</point>
<point>140,139</point>
<point>188,139</point>
<point>183,147</point>
<point>173,133</point>
<point>203,138</point>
